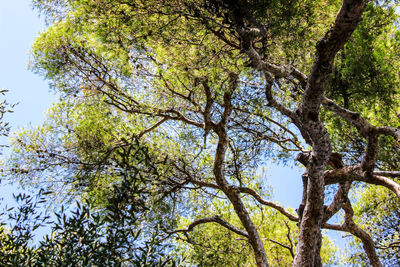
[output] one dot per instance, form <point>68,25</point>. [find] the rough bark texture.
<point>307,121</point>
<point>346,21</point>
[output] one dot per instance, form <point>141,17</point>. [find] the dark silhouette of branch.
<point>215,219</point>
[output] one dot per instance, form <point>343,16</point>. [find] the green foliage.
<point>365,80</point>
<point>87,141</point>
<point>144,85</point>
<point>80,237</point>
<point>365,71</point>
<point>5,108</point>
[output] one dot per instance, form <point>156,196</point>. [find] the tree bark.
<point>310,227</point>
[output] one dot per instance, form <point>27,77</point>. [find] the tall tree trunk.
<point>309,245</point>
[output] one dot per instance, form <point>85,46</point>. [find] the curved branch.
<point>354,173</point>
<point>171,114</point>
<point>262,65</point>
<point>354,229</point>
<point>254,194</point>
<point>215,219</point>
<point>350,227</point>
<point>151,128</point>
<point>269,82</point>
<point>338,200</point>
<point>394,244</point>
<point>383,181</point>
<point>371,153</point>
<point>219,173</point>
<point>293,139</point>
<point>190,178</point>
<point>366,129</point>
<point>392,131</point>
<point>363,126</point>
<point>282,245</point>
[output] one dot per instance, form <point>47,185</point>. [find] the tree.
<point>5,108</point>
<point>215,88</point>
<point>115,234</point>
<point>81,238</point>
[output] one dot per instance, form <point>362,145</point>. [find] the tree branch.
<point>392,174</point>
<point>282,245</point>
<point>269,81</point>
<point>383,181</point>
<point>362,125</point>
<point>262,65</point>
<point>350,227</point>
<point>354,229</point>
<point>151,128</point>
<point>233,195</point>
<point>354,173</point>
<point>215,219</point>
<point>338,200</point>
<point>254,194</point>
<point>346,21</point>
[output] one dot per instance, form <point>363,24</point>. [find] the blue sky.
<point>19,25</point>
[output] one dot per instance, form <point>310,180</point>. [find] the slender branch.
<point>350,227</point>
<point>354,173</point>
<point>282,245</point>
<point>262,65</point>
<point>371,153</point>
<point>219,173</point>
<point>254,194</point>
<point>392,131</point>
<point>269,82</point>
<point>170,113</point>
<point>394,244</point>
<point>366,129</point>
<point>260,136</point>
<point>190,178</point>
<point>215,219</point>
<point>362,125</point>
<point>208,122</point>
<point>383,181</point>
<point>290,239</point>
<point>151,128</point>
<point>294,139</point>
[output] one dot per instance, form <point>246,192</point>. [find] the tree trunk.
<point>309,245</point>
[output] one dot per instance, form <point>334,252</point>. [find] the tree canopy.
<point>169,110</point>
